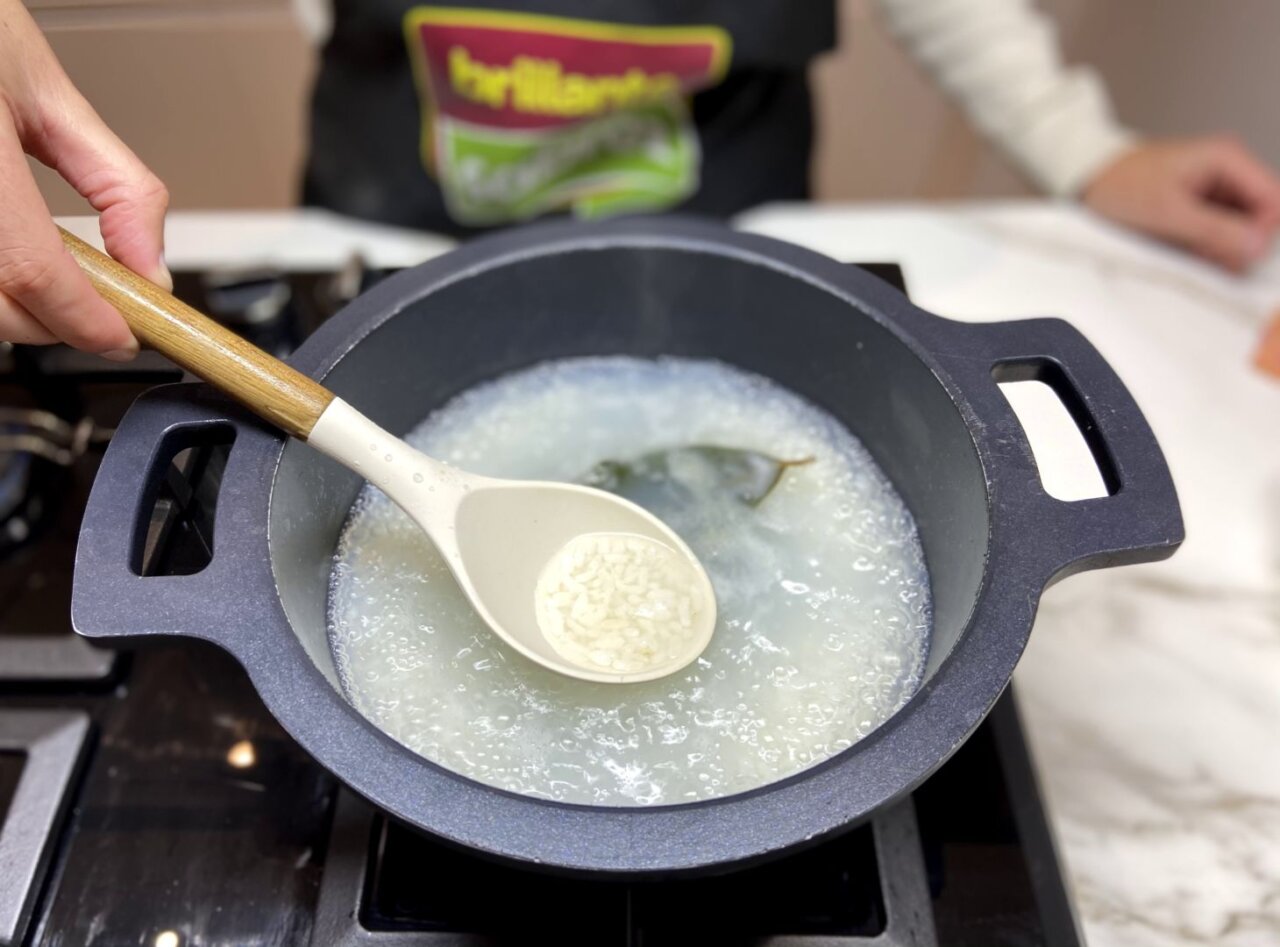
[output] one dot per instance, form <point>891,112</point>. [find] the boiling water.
<point>821,589</point>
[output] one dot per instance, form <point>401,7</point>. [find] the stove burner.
<point>43,434</point>
<point>33,445</point>
<point>248,298</point>
<point>15,478</point>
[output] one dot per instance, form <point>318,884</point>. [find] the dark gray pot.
<point>919,390</point>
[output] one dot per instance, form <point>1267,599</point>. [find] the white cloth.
<point>1000,60</point>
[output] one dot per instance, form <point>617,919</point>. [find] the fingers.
<point>1209,195</point>
<point>1224,236</point>
<point>131,200</point>
<point>38,276</point>
<point>1228,209</point>
<point>43,294</point>
<point>1245,177</point>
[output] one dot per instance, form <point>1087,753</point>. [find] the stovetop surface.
<point>195,813</point>
<point>176,811</point>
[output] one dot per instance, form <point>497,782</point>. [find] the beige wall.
<point>1182,66</point>
<point>212,93</point>
<point>884,131</point>
<point>1174,67</point>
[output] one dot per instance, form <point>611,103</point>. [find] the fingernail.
<point>166,278</point>
<point>122,355</point>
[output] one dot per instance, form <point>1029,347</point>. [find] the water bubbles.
<point>824,618</point>
<point>417,478</point>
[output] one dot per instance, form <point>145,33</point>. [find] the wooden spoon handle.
<point>267,386</point>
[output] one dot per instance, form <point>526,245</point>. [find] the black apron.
<point>457,119</point>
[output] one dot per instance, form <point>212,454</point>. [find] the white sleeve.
<point>1000,60</point>
<point>316,19</point>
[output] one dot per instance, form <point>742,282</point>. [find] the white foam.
<point>822,594</point>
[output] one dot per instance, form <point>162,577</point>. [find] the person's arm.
<point>43,295</point>
<point>1000,60</point>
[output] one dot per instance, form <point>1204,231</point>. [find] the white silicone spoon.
<point>496,535</point>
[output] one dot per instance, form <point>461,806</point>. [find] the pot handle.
<point>1140,520</point>
<point>110,599</point>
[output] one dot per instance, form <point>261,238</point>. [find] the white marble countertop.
<point>1152,693</point>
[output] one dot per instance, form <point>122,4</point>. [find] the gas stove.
<point>148,798</point>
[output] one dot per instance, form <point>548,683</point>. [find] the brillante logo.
<point>524,113</point>
<point>536,86</point>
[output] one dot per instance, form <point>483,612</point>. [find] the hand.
<point>1209,195</point>
<point>43,295</point>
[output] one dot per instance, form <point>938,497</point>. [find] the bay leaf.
<point>659,478</point>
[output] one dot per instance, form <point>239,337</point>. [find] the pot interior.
<point>647,301</point>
